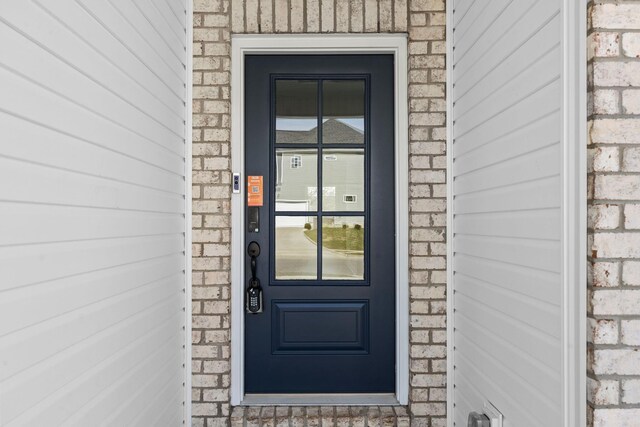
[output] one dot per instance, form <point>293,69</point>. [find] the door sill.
<point>337,399</point>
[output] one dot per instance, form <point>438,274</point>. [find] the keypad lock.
<point>254,291</point>
<point>254,297</point>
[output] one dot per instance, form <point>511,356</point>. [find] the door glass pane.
<point>296,111</point>
<point>343,248</point>
<point>296,249</point>
<point>343,112</point>
<point>343,180</point>
<point>296,179</point>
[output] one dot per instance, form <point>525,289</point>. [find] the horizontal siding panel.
<point>178,9</point>
<point>164,22</point>
<point>477,103</point>
<point>507,237</point>
<point>461,10</point>
<point>116,347</point>
<point>543,93</point>
<point>45,146</point>
<point>540,104</point>
<point>501,42</point>
<point>151,27</point>
<point>518,362</point>
<point>534,135</point>
<point>541,254</point>
<point>157,413</point>
<point>493,28</point>
<point>522,413</point>
<point>27,223</point>
<point>48,110</point>
<point>466,390</point>
<point>92,255</point>
<point>543,348</point>
<point>467,400</point>
<point>148,376</point>
<point>39,184</point>
<point>100,41</point>
<point>146,46</point>
<point>533,283</point>
<point>66,82</point>
<point>54,409</point>
<point>536,313</point>
<point>544,44</point>
<point>539,164</point>
<point>504,377</point>
<point>541,97</point>
<point>71,58</point>
<point>536,224</point>
<point>482,17</point>
<point>103,314</point>
<point>65,259</point>
<point>137,390</point>
<point>540,194</point>
<point>32,305</point>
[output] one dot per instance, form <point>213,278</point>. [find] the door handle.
<point>254,291</point>
<point>253,251</point>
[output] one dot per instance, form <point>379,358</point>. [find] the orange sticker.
<point>254,190</point>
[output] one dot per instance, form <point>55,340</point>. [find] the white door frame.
<point>574,207</point>
<point>395,44</point>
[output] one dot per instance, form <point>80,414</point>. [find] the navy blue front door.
<point>319,130</point>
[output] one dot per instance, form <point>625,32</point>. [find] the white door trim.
<point>574,223</point>
<point>395,44</point>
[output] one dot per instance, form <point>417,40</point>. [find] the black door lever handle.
<point>253,267</point>
<point>254,292</point>
<point>254,251</point>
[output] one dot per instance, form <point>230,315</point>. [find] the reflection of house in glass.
<point>334,131</point>
<point>342,172</point>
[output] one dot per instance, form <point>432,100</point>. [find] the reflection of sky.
<point>308,124</point>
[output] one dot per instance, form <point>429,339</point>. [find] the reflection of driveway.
<point>296,258</point>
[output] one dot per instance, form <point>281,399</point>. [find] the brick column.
<point>427,187</point>
<point>614,214</point>
<point>211,212</point>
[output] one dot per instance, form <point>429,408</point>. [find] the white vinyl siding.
<point>92,213</point>
<point>507,160</point>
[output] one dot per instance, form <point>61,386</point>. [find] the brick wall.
<point>614,214</point>
<point>214,20</point>
<point>211,213</point>
<point>427,204</point>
